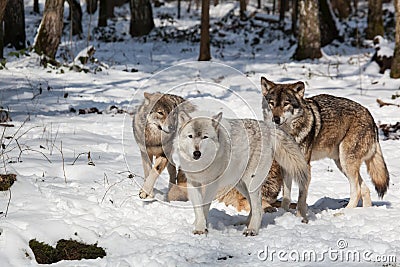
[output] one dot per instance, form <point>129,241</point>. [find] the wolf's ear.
<point>216,119</point>
<point>299,88</point>
<point>266,85</point>
<point>183,117</point>
<point>147,97</point>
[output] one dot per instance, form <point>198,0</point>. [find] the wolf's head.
<point>284,100</point>
<point>160,106</point>
<point>197,139</point>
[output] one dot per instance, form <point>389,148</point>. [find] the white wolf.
<point>217,154</point>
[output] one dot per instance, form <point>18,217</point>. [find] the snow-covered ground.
<point>61,193</point>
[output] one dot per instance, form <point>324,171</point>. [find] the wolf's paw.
<point>249,232</point>
<point>144,195</point>
<point>200,232</point>
<point>305,220</point>
<point>285,204</point>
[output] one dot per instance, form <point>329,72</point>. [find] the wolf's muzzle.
<point>196,154</point>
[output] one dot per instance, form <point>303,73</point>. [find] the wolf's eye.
<point>271,103</point>
<point>205,137</point>
<point>190,136</point>
<point>160,113</point>
<point>286,103</point>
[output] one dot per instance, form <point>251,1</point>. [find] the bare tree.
<point>342,8</point>
<point>329,31</point>
<point>102,14</point>
<point>75,15</point>
<point>295,10</point>
<point>243,8</point>
<point>3,5</point>
<point>395,69</point>
<point>205,54</point>
<point>14,24</point>
<point>50,29</point>
<point>36,6</point>
<point>141,17</point>
<point>91,6</point>
<point>309,35</point>
<point>375,19</point>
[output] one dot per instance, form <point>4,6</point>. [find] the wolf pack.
<point>247,162</point>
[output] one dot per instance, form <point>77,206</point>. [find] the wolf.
<point>327,126</point>
<point>154,135</point>
<point>213,153</point>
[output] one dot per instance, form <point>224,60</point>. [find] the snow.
<point>98,203</point>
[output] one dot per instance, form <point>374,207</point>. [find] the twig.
<point>382,103</point>
<point>80,154</point>
<point>6,125</point>
<point>8,203</point>
<point>108,189</point>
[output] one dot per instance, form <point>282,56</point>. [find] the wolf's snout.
<point>196,155</point>
<point>277,119</point>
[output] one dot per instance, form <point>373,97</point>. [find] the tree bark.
<point>14,24</point>
<point>375,19</point>
<point>36,6</point>
<point>50,29</point>
<point>295,8</point>
<point>328,29</point>
<point>205,54</point>
<point>309,35</point>
<point>141,18</point>
<point>91,6</point>
<point>395,69</point>
<point>110,8</point>
<point>179,9</point>
<point>3,5</point>
<point>75,10</point>
<point>342,8</point>
<point>282,10</point>
<point>102,14</point>
<point>243,8</point>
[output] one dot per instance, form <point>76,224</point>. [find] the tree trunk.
<point>36,6</point>
<point>375,20</point>
<point>75,14</point>
<point>258,4</point>
<point>102,14</point>
<point>91,6</point>
<point>3,5</point>
<point>282,10</point>
<point>50,29</point>
<point>205,54</point>
<point>243,8</point>
<point>110,9</point>
<point>328,29</point>
<point>395,69</point>
<point>141,18</point>
<point>342,8</point>
<point>14,24</point>
<point>295,10</point>
<point>179,9</point>
<point>309,35</point>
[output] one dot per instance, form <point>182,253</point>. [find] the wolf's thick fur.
<point>214,158</point>
<point>333,127</point>
<point>150,128</point>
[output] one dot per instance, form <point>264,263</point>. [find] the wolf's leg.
<point>147,160</point>
<point>196,197</point>
<point>302,200</point>
<point>365,194</point>
<point>256,213</point>
<point>286,190</point>
<point>172,173</point>
<point>149,181</point>
<point>350,168</point>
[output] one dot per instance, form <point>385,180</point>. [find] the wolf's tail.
<point>378,171</point>
<point>289,156</point>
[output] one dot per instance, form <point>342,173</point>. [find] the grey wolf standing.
<point>333,127</point>
<point>213,154</point>
<point>154,138</point>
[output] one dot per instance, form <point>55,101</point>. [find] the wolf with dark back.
<point>154,135</point>
<point>326,126</point>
